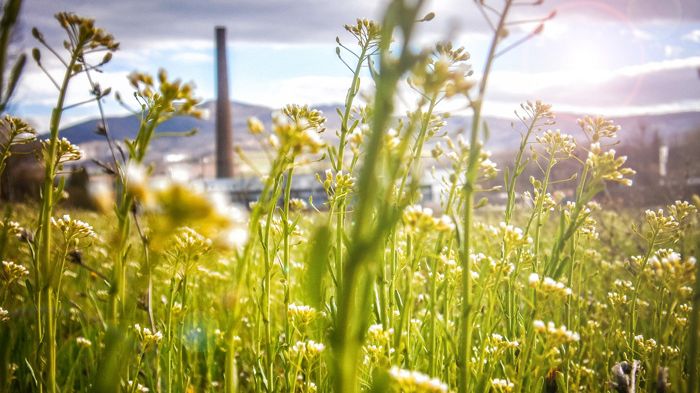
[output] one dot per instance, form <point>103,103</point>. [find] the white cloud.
<point>504,109</point>
<point>36,95</point>
<point>658,66</point>
<point>642,35</point>
<point>627,110</point>
<point>693,36</point>
<point>574,83</point>
<point>311,89</point>
<point>192,57</point>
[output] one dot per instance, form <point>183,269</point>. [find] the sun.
<point>586,62</point>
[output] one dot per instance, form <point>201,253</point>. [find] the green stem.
<point>635,293</point>
<point>584,193</point>
<point>341,200</point>
<point>46,270</point>
<point>418,147</point>
<point>538,210</point>
<point>465,337</point>
<point>370,229</point>
<point>352,92</point>
<point>517,169</point>
<point>267,301</point>
<point>693,333</point>
<point>285,257</point>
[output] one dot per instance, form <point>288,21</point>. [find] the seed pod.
<point>37,34</point>
<point>36,55</point>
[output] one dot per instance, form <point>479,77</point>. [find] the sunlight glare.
<point>586,63</point>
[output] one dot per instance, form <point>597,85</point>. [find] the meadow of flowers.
<point>165,289</point>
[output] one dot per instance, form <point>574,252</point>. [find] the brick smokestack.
<point>224,134</point>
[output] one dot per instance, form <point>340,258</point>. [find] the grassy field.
<point>164,289</point>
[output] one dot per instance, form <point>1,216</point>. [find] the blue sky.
<point>608,57</point>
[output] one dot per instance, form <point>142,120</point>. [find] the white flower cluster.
<point>72,228</point>
<point>299,128</point>
<point>647,345</point>
<point>500,266</point>
<point>12,271</point>
<point>139,388</point>
<point>502,385</point>
<point>498,343</point>
<point>309,349</point>
<point>681,211</point>
<point>559,334</point>
<point>419,218</point>
<point>391,139</point>
<point>512,236</point>
<point>358,135</point>
<point>336,184</point>
<point>65,151</point>
<point>661,223</point>
<point>297,204</point>
<point>83,342</point>
<point>147,336</point>
<point>377,334</point>
<point>190,240</point>
<point>685,290</point>
<point>378,347</point>
<point>616,298</point>
<point>414,381</point>
<point>605,166</point>
<point>301,313</point>
<point>255,126</point>
<point>667,261</point>
<point>598,127</point>
<point>548,285</point>
<point>555,142</point>
<point>549,201</point>
<point>11,227</point>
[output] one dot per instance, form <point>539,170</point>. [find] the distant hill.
<point>202,143</point>
<point>504,133</point>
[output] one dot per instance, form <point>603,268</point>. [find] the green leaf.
<point>31,371</point>
<point>561,383</point>
<point>168,134</point>
<point>318,264</point>
<point>487,131</point>
<point>381,381</point>
<point>14,77</point>
<point>111,368</point>
<point>356,88</point>
<point>353,125</point>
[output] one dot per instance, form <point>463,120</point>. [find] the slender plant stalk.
<point>341,202</point>
<point>465,320</point>
<point>286,234</point>
<point>348,330</point>
<point>693,333</point>
<point>46,309</point>
<point>640,275</point>
<point>539,208</point>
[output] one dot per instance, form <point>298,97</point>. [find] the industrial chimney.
<point>224,135</point>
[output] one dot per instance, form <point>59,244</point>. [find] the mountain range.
<point>504,133</point>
